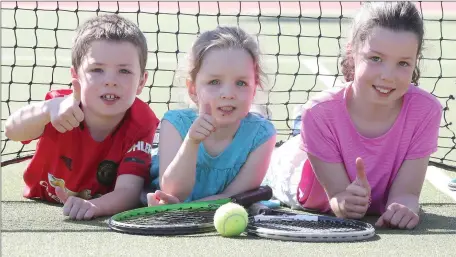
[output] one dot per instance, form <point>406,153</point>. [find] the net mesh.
<point>300,42</point>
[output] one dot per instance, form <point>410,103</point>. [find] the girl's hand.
<point>160,197</point>
<point>398,216</point>
<point>355,200</point>
<point>203,126</point>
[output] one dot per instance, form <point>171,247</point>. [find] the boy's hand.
<point>203,126</point>
<point>64,112</point>
<point>398,216</point>
<point>355,200</point>
<point>160,197</point>
<point>75,207</point>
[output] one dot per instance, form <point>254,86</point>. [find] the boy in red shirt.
<point>94,147</point>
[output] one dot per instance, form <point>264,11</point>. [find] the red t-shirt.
<point>86,168</point>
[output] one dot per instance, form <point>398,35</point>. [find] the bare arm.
<point>28,122</point>
<point>125,196</point>
<point>252,172</point>
<point>177,162</point>
<point>333,178</point>
<point>406,188</point>
<point>402,208</point>
<point>346,199</point>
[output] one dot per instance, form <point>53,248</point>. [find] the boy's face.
<point>110,78</point>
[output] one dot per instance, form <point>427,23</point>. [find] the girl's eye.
<point>375,58</point>
<point>125,71</point>
<point>214,82</point>
<point>97,70</point>
<point>241,83</point>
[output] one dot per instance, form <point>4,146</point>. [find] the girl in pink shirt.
<point>368,143</point>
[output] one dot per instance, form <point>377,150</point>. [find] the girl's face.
<point>225,85</point>
<point>384,65</point>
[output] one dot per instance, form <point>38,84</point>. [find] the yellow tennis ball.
<point>230,219</point>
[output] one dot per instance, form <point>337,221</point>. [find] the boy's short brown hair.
<point>108,27</point>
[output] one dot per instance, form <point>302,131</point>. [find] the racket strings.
<point>307,226</point>
<point>172,218</point>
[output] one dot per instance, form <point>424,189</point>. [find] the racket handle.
<point>252,196</point>
<point>261,209</point>
<point>257,208</point>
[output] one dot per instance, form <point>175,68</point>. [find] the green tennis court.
<point>300,58</point>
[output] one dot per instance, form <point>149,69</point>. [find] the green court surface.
<point>36,228</point>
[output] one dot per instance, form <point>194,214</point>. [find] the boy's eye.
<point>241,83</point>
<point>125,71</point>
<point>214,82</point>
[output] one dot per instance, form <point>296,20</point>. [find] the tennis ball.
<point>230,219</point>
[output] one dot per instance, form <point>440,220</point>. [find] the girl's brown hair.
<point>397,16</point>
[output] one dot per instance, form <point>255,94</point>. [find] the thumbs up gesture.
<point>203,126</point>
<point>356,197</point>
<point>361,178</point>
<point>65,113</point>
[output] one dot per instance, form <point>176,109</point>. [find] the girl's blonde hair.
<point>224,38</point>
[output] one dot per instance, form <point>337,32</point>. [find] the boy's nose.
<point>110,80</point>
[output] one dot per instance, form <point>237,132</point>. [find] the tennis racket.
<point>273,224</point>
<point>181,218</point>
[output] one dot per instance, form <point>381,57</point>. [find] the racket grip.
<point>261,209</point>
<point>258,208</point>
<point>252,196</point>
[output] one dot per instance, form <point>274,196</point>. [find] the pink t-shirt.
<point>329,134</point>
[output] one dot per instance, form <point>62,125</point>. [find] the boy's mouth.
<point>109,97</point>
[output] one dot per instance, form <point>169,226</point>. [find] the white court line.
<point>327,80</point>
<point>436,177</point>
<point>440,181</point>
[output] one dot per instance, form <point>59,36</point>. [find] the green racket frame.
<point>117,221</point>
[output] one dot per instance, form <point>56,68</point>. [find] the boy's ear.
<point>191,89</point>
<point>142,82</point>
<point>74,73</point>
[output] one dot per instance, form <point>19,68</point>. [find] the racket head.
<point>288,226</point>
<point>181,218</point>
<point>309,228</point>
<point>170,219</point>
